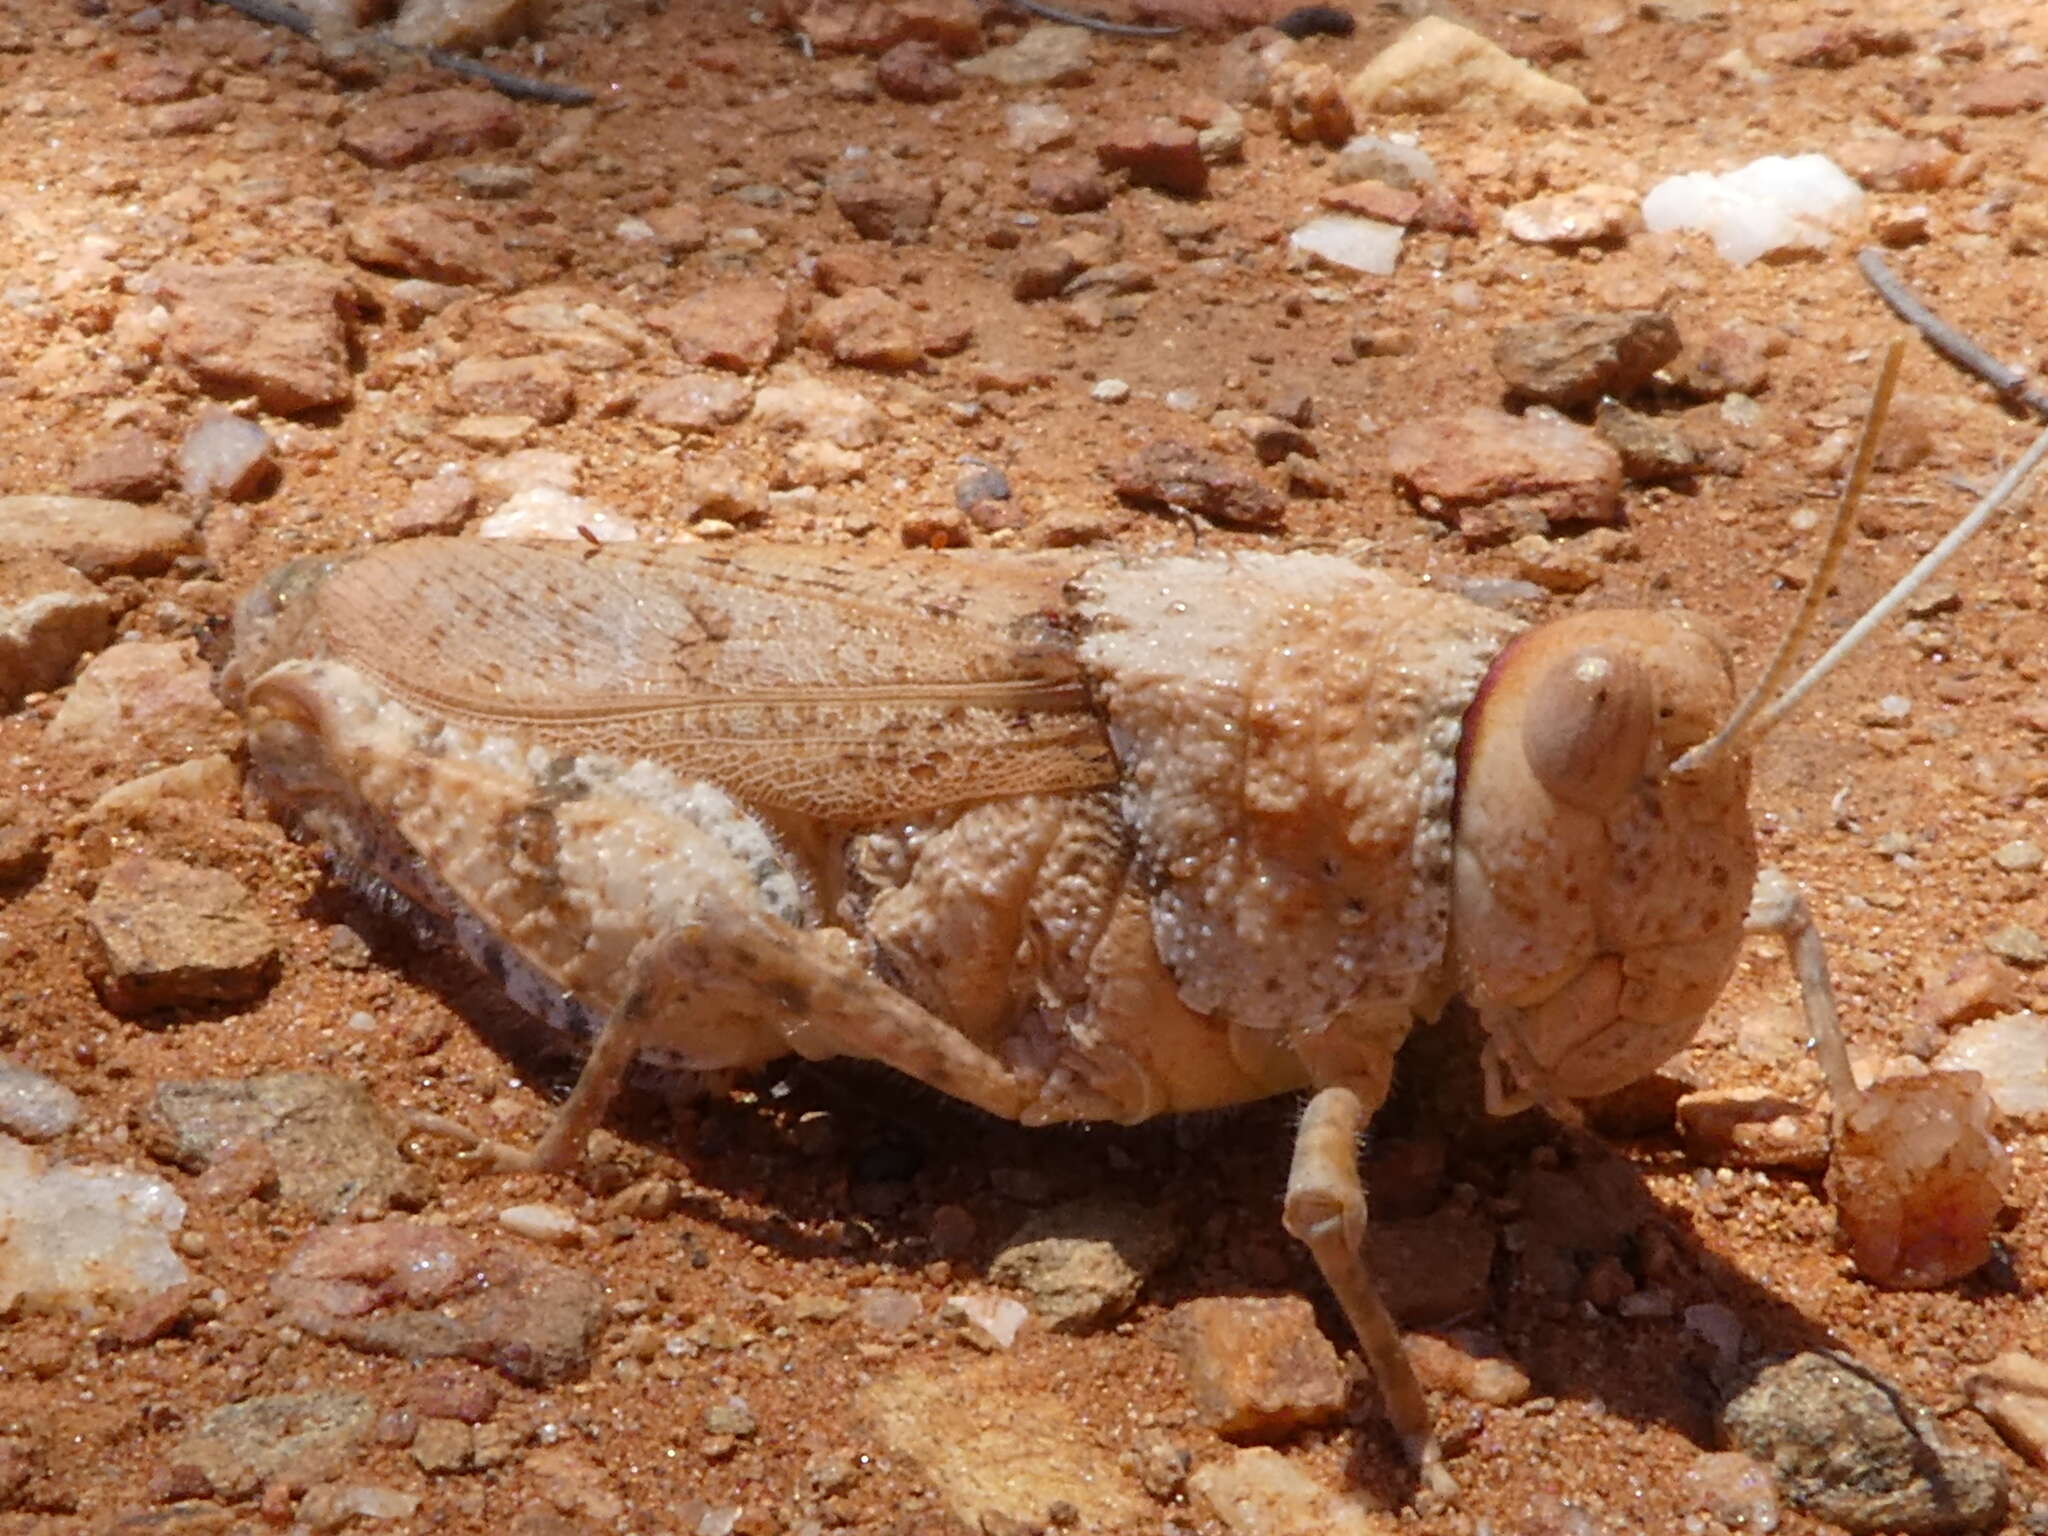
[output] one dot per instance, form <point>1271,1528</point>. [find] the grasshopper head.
<point>1597,899</point>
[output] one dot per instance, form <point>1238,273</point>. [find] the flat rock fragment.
<point>1439,66</point>
<point>1259,1492</point>
<point>141,705</point>
<point>95,537</point>
<point>240,1446</point>
<point>1494,476</point>
<point>176,935</point>
<point>2012,1392</point>
<point>1850,1448</point>
<point>425,1292</point>
<point>1258,1367</point>
<point>999,1449</point>
<point>50,616</point>
<point>1175,475</point>
<point>1575,359</point>
<point>334,1149</point>
<point>429,126</point>
<point>1083,1264</point>
<point>276,330</point>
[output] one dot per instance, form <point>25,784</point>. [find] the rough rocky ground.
<point>740,1327</point>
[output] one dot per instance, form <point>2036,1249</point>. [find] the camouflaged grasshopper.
<point>1065,837</point>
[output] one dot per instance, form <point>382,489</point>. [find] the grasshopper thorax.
<point>1597,898</point>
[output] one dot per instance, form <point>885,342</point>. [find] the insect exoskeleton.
<point>1065,837</point>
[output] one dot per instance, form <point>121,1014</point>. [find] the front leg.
<point>1326,1210</point>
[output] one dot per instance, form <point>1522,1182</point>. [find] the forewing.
<point>842,686</point>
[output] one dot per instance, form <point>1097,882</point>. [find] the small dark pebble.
<point>1316,21</point>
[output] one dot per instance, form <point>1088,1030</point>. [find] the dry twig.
<point>2011,383</point>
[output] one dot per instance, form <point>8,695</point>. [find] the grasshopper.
<point>1066,837</point>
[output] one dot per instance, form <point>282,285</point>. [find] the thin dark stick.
<point>1093,23</point>
<point>2010,383</point>
<point>522,87</point>
<point>505,83</point>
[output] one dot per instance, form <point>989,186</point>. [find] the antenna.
<point>1752,722</point>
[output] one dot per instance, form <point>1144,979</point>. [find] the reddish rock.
<point>1175,476</point>
<point>1446,212</point>
<point>1733,359</point>
<point>180,119</point>
<point>918,71</point>
<point>1752,1128</point>
<point>1375,200</point>
<point>96,538</point>
<point>1444,1366</point>
<point>1258,1368</point>
<point>388,134</point>
<point>426,1291</point>
<point>1308,105</point>
<point>1043,271</point>
<point>679,228</point>
<point>143,704</point>
<point>128,464</point>
<point>852,266</point>
<point>741,325</point>
<point>1890,162</point>
<point>158,79</point>
<point>1494,476</point>
<point>1576,359</point>
<point>2005,92</point>
<point>453,1392</point>
<point>885,206</point>
<point>438,505</point>
<point>698,401</point>
<point>419,241</point>
<point>1157,152</point>
<point>1830,45</point>
<point>867,328</point>
<point>50,616</point>
<point>1069,186</point>
<point>540,387</point>
<point>172,935</point>
<point>275,330</point>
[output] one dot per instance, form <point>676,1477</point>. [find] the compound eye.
<point>1587,726</point>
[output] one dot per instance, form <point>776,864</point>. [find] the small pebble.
<point>2022,856</point>
<point>1110,391</point>
<point>542,1223</point>
<point>34,1107</point>
<point>2019,944</point>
